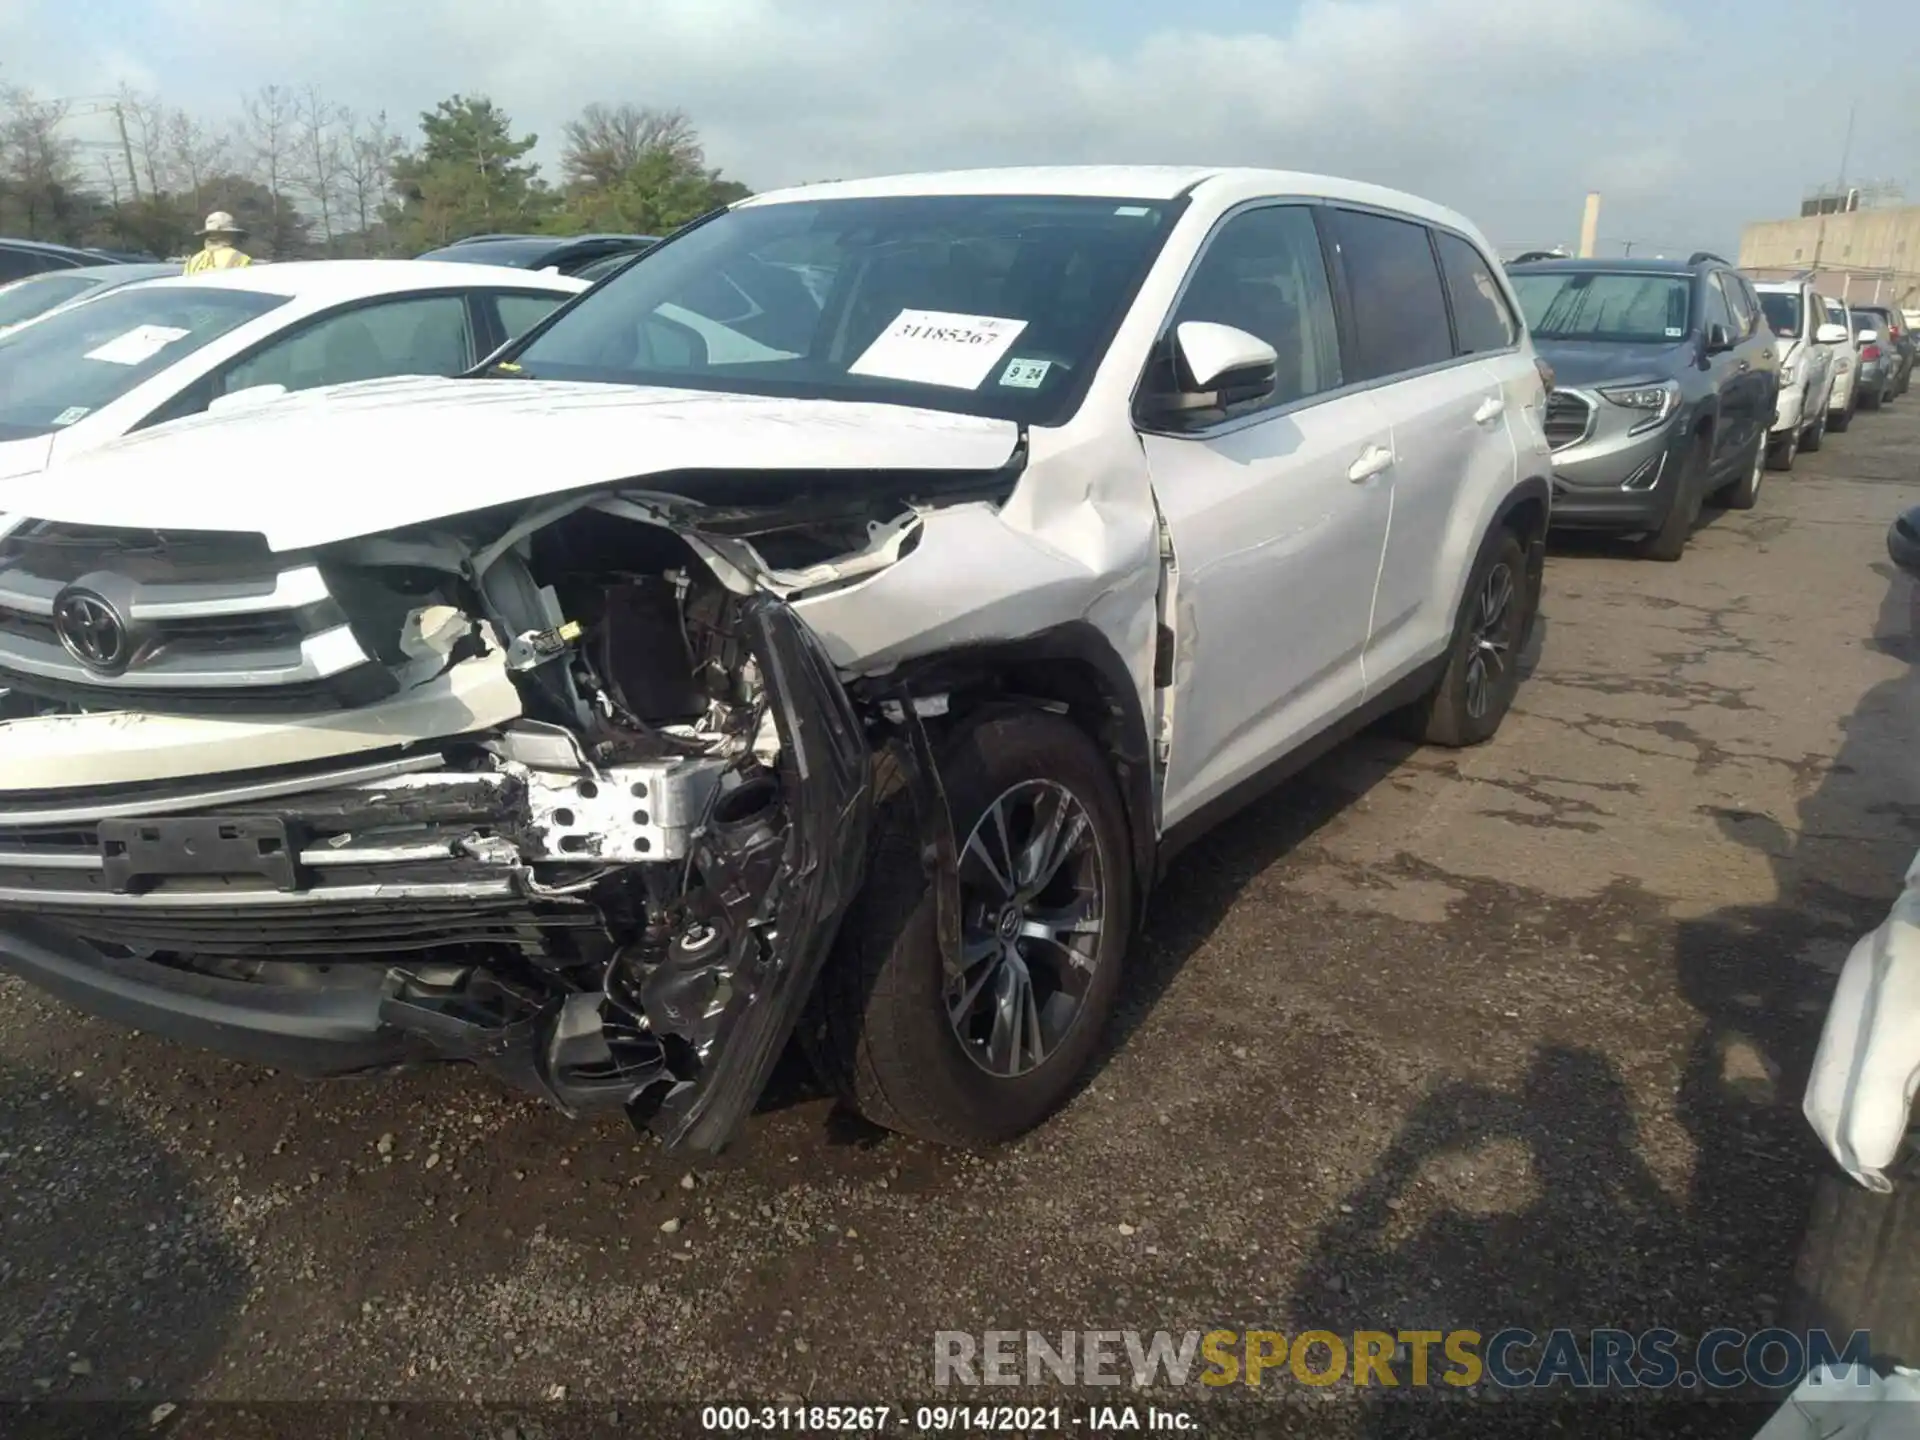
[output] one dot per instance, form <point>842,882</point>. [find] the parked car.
<point>1808,343</point>
<point>597,716</point>
<point>158,350</point>
<point>1895,322</point>
<point>567,254</point>
<point>1879,359</point>
<point>1664,391</point>
<point>36,295</point>
<point>1844,397</point>
<point>21,258</point>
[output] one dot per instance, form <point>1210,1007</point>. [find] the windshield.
<point>66,366</point>
<point>995,305</point>
<point>1606,305</point>
<point>25,299</point>
<point>1782,311</point>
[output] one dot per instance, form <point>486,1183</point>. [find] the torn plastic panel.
<point>714,953</point>
<point>1866,1071</point>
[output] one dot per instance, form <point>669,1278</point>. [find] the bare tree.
<point>322,154</point>
<point>143,120</point>
<point>367,170</point>
<point>604,142</point>
<point>38,171</point>
<point>195,154</point>
<point>272,133</point>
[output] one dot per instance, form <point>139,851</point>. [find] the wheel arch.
<point>1072,668</point>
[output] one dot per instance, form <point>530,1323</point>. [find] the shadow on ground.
<point>1601,1243</point>
<point>100,1299</point>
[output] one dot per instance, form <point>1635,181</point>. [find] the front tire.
<point>1816,434</point>
<point>1781,454</point>
<point>1838,421</point>
<point>1859,1265</point>
<point>1669,542</point>
<point>977,1053</point>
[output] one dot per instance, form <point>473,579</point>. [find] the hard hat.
<point>221,223</point>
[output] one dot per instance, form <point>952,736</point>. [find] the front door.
<point>1276,511</point>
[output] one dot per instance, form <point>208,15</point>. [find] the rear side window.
<point>1263,272</point>
<point>1399,312</point>
<point>1481,319</point>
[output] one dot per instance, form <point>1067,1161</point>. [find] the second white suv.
<point>742,654</point>
<point>1809,348</point>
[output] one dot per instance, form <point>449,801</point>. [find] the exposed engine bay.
<point>614,895</point>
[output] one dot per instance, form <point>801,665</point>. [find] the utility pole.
<point>1839,185</point>
<point>1626,250</point>
<point>126,148</point>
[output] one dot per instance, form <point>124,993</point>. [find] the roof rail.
<point>1700,257</point>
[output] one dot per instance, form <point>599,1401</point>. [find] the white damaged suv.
<point>828,625</point>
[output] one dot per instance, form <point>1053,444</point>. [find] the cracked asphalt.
<point>1507,1036</point>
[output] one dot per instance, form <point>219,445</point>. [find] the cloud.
<point>1510,113</point>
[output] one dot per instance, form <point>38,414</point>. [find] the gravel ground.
<point>1507,1036</point>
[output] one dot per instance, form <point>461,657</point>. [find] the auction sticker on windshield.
<point>136,346</point>
<point>935,347</point>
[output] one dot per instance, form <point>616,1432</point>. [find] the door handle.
<point>1373,460</point>
<point>1489,409</point>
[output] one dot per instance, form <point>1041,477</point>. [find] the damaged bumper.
<point>1865,1073</point>
<point>638,935</point>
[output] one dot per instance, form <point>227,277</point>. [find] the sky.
<point>1689,116</point>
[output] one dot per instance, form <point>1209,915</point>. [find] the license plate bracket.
<point>135,853</point>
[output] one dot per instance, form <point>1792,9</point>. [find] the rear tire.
<point>882,1029</point>
<point>1744,493</point>
<point>1476,689</point>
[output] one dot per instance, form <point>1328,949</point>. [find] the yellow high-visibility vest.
<point>217,257</point>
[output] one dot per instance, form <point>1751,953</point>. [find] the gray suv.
<point>1665,381</point>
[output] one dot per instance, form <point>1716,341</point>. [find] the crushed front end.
<point>539,791</point>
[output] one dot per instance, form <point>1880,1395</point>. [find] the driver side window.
<point>1719,312</point>
<point>1263,272</point>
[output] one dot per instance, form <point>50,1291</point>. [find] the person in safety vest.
<point>219,252</point>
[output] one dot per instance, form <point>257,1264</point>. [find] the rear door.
<point>1445,400</point>
<point>1276,512</point>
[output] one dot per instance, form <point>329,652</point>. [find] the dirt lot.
<point>1511,1036</point>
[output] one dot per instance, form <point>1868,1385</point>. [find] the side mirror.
<point>243,399</point>
<point>1830,335</point>
<point>1218,365</point>
<point>1718,340</point>
<point>1867,337</point>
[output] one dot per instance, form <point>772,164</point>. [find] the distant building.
<point>1861,243</point>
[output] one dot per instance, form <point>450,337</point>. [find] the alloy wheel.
<point>1032,915</point>
<point>1490,638</point>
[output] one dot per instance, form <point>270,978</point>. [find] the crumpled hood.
<point>1599,362</point>
<point>346,461</point>
<point>24,457</point>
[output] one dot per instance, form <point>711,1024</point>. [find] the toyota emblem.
<point>92,631</point>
